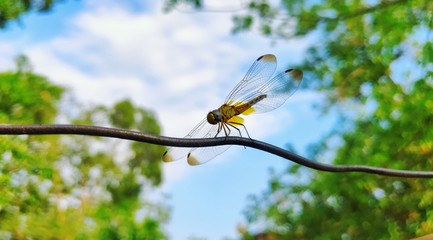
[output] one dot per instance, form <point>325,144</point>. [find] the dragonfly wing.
<point>276,91</point>
<point>204,154</point>
<point>201,130</point>
<point>196,156</point>
<point>258,74</point>
<point>268,95</point>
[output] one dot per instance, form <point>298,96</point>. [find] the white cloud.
<point>179,65</point>
<point>153,57</point>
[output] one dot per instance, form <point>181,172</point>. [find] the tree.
<point>375,57</point>
<point>13,9</point>
<point>67,187</point>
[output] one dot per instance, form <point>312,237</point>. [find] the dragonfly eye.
<point>214,117</point>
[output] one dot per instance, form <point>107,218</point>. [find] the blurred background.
<point>160,66</point>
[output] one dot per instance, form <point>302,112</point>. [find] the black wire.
<point>202,142</point>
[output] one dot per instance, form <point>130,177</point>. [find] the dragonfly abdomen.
<point>246,108</point>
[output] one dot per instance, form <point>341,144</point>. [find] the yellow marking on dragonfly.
<point>256,93</point>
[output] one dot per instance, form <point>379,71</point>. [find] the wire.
<point>202,142</point>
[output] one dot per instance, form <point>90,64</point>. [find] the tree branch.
<point>202,142</point>
<point>380,6</point>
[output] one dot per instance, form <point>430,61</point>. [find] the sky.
<point>180,65</point>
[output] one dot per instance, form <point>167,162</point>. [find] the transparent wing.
<point>276,91</point>
<point>175,153</point>
<point>196,156</point>
<point>204,154</point>
<point>255,83</point>
<point>258,74</point>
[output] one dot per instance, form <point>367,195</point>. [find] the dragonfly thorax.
<point>214,117</point>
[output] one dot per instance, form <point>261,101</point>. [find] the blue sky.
<point>179,65</point>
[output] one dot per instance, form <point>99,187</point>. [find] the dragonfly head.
<point>214,117</point>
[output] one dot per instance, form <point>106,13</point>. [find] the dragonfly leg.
<point>240,124</point>
<point>220,127</point>
<point>246,130</point>
<point>227,130</point>
<point>232,124</point>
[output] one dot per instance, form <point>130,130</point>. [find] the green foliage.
<point>171,4</point>
<point>16,100</point>
<point>13,9</point>
<point>66,187</point>
<point>146,157</point>
<point>377,57</point>
<point>360,41</point>
<point>360,44</point>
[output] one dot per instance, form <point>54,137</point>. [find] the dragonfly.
<point>257,92</point>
